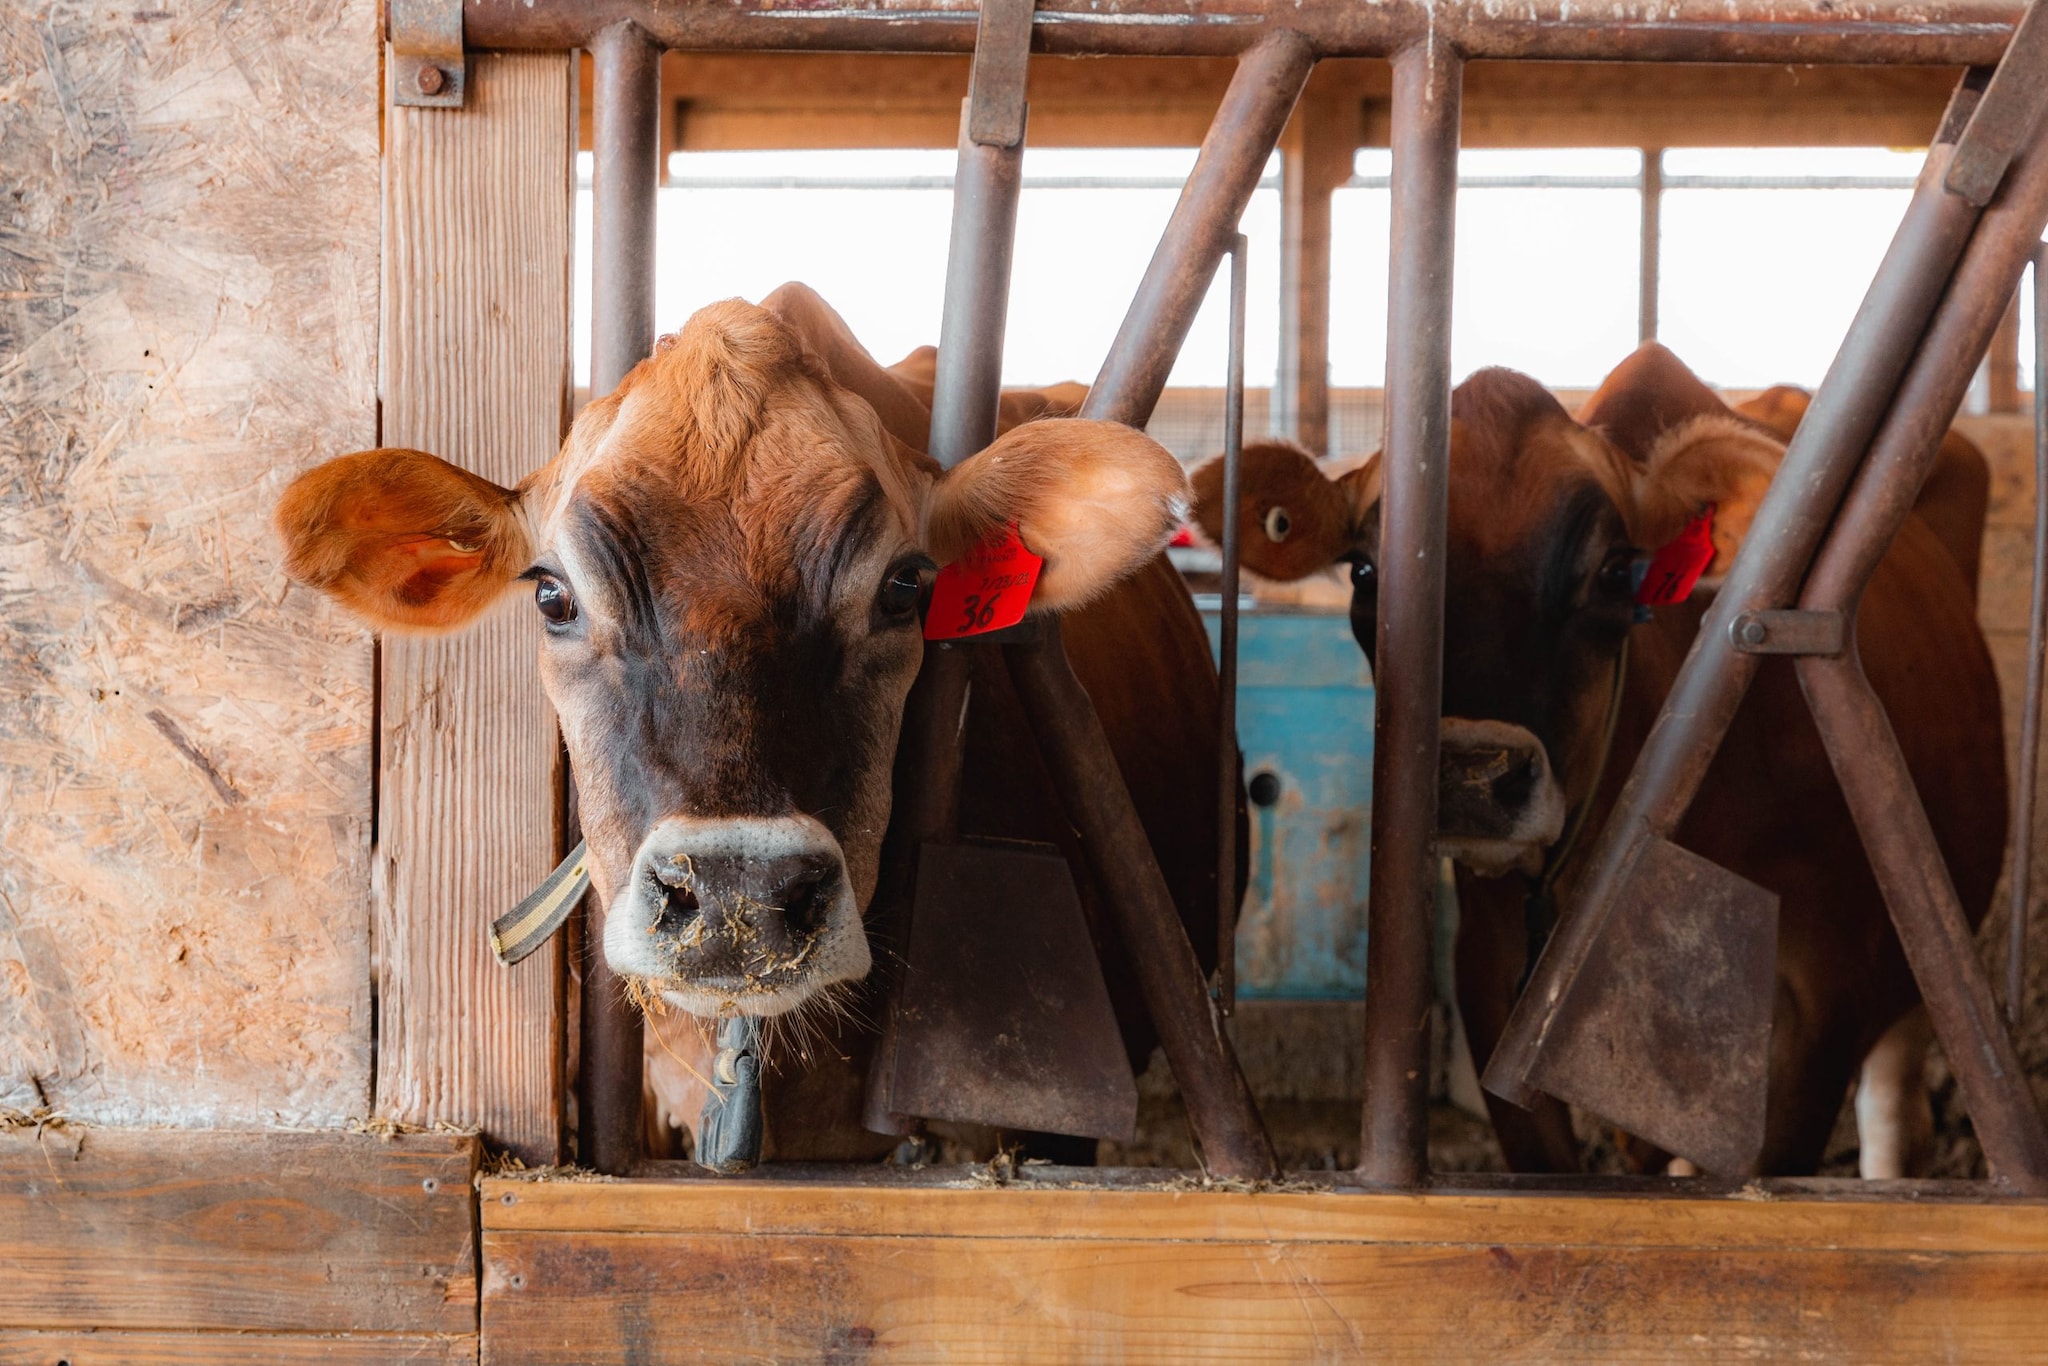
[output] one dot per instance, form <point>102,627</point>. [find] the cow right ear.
<point>402,538</point>
<point>1293,519</point>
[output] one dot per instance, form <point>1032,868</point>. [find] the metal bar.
<point>1865,753</point>
<point>2030,708</point>
<point>969,381</point>
<point>1229,767</point>
<point>1942,32</point>
<point>625,108</point>
<point>1428,81</point>
<point>1650,260</point>
<point>1819,462</point>
<point>1221,1111</point>
<point>1232,161</point>
<point>625,177</point>
<point>1928,917</point>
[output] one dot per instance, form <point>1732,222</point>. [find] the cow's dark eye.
<point>897,599</point>
<point>1616,577</point>
<point>1364,576</point>
<point>557,605</point>
<point>1278,524</point>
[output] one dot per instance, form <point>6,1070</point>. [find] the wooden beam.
<point>828,100</point>
<point>82,1348</point>
<point>175,1231</point>
<point>669,1271</point>
<point>476,348</point>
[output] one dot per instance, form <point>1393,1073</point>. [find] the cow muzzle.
<point>746,915</point>
<point>1499,806</point>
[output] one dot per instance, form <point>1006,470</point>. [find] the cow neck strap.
<point>534,921</point>
<point>1539,907</point>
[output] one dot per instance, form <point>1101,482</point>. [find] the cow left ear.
<point>1094,499</point>
<point>1723,463</point>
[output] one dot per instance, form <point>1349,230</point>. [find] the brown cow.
<point>728,557</point>
<point>1548,518</point>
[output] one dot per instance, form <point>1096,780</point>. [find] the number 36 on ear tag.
<point>984,590</point>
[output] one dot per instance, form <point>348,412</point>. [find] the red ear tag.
<point>1678,564</point>
<point>1183,538</point>
<point>984,590</point>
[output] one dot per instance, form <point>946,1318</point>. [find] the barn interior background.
<point>228,901</point>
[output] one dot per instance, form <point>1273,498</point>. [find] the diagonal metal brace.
<point>2006,116</point>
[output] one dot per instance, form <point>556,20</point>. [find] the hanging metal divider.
<point>1229,764</point>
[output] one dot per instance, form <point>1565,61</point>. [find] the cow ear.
<point>404,539</point>
<point>1293,519</point>
<point>1094,499</point>
<point>1780,407</point>
<point>1718,462</point>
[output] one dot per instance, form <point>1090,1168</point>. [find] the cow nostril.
<point>678,908</point>
<point>805,900</point>
<point>1516,786</point>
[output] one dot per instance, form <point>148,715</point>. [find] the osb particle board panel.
<point>476,347</point>
<point>188,302</point>
<point>708,1270</point>
<point>165,1231</point>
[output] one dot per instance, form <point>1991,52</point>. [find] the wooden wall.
<point>188,310</point>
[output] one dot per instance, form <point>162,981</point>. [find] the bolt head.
<point>431,79</point>
<point>1753,632</point>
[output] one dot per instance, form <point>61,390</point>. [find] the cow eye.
<point>897,599</point>
<point>1364,575</point>
<point>1278,524</point>
<point>1616,577</point>
<point>557,605</point>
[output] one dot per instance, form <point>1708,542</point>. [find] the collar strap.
<point>534,921</point>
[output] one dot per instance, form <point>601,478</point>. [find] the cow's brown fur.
<point>724,516</point>
<point>1658,446</point>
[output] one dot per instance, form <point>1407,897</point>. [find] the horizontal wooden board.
<point>779,1208</point>
<point>660,1271</point>
<point>179,1229</point>
<point>28,1347</point>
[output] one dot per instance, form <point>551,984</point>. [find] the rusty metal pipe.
<point>1929,918</point>
<point>1859,738</point>
<point>969,382</point>
<point>1428,81</point>
<point>1221,1110</point>
<point>1942,32</point>
<point>625,176</point>
<point>1819,462</point>
<point>2030,708</point>
<point>1229,766</point>
<point>1247,127</point>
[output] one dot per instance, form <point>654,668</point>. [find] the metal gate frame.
<point>1851,473</point>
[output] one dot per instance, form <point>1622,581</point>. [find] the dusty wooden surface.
<point>707,1270</point>
<point>188,304</point>
<point>476,345</point>
<point>162,1231</point>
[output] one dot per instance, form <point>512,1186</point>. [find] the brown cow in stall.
<point>728,558</point>
<point>1548,519</point>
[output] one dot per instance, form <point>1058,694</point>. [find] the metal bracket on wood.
<point>428,69</point>
<point>995,91</point>
<point>1789,632</point>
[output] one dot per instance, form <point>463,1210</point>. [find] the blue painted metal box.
<point>1304,716</point>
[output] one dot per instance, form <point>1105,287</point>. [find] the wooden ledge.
<point>835,1267</point>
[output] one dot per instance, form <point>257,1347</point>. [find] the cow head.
<point>727,558</point>
<point>1548,520</point>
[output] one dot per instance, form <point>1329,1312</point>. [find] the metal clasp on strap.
<point>428,68</point>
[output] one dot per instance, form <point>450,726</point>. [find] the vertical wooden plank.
<point>475,348</point>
